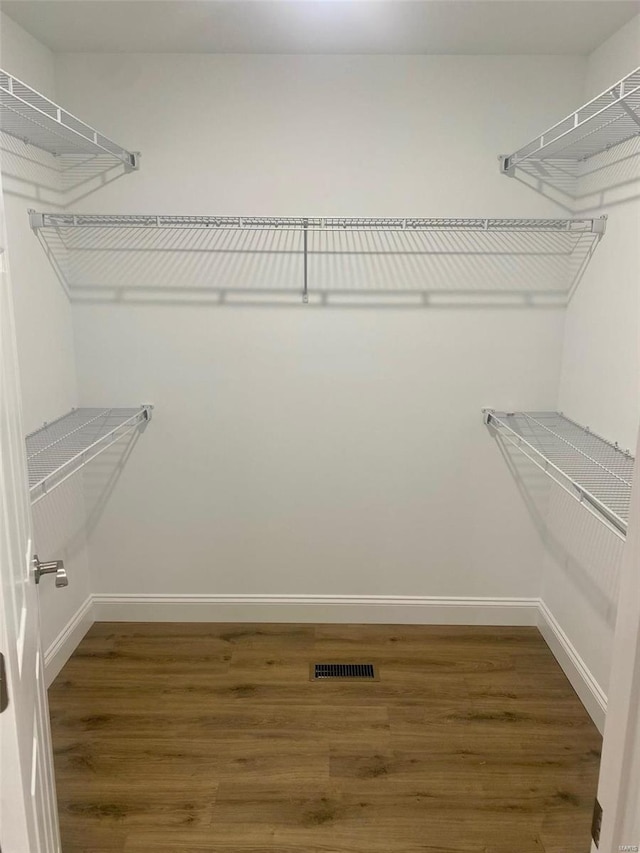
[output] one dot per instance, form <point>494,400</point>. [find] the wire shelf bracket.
<point>31,117</point>
<point>71,239</point>
<point>610,119</point>
<point>594,471</point>
<point>59,449</point>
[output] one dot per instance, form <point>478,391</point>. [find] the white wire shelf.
<point>60,448</point>
<point>591,469</point>
<point>610,119</point>
<point>314,223</point>
<point>149,256</point>
<point>29,116</point>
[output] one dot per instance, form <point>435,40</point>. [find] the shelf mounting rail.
<point>591,469</point>
<point>34,119</point>
<point>313,223</point>
<point>609,119</point>
<point>60,448</point>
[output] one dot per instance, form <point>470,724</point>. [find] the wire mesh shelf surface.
<point>118,257</point>
<point>610,119</point>
<point>311,223</point>
<point>592,469</point>
<point>60,448</point>
<point>33,118</point>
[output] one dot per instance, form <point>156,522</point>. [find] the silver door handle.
<point>54,566</point>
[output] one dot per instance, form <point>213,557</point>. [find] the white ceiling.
<point>323,26</point>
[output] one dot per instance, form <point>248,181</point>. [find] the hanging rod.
<point>310,223</point>
<point>594,471</point>
<point>607,120</point>
<point>60,448</point>
<point>33,118</point>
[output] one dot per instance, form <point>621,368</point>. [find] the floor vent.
<point>348,671</point>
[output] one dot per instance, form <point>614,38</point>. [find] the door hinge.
<point>4,687</point>
<point>596,824</point>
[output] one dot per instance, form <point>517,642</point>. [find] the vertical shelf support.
<point>305,239</point>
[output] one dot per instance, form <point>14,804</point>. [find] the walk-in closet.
<point>319,410</point>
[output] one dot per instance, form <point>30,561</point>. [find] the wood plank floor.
<point>184,738</point>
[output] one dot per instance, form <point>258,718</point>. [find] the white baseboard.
<point>356,609</point>
<point>65,643</point>
<point>591,694</point>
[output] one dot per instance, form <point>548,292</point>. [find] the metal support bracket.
<point>486,416</point>
<point>36,220</point>
<point>599,225</point>
<point>506,166</point>
<point>134,163</point>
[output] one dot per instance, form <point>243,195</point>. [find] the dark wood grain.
<point>184,738</point>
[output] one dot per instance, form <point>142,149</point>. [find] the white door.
<point>619,785</point>
<point>28,815</point>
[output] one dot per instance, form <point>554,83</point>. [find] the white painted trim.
<point>67,640</point>
<point>619,783</point>
<point>591,694</point>
<point>356,609</point>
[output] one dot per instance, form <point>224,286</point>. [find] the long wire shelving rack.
<point>59,449</point>
<point>314,223</point>
<point>591,469</point>
<point>34,119</point>
<point>72,235</point>
<point>610,119</point>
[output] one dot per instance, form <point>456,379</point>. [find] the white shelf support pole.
<point>305,238</point>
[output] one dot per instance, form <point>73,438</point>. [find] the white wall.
<point>329,450</point>
<point>600,387</point>
<point>317,450</point>
<point>25,57</point>
<point>45,340</point>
